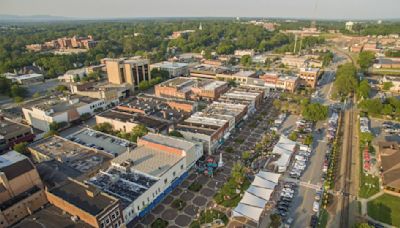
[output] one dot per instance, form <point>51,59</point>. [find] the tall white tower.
<point>200,27</point>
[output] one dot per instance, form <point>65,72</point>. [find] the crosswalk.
<point>304,184</point>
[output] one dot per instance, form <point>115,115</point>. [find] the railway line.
<point>347,155</point>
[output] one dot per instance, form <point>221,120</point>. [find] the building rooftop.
<point>390,161</point>
<point>148,160</point>
<point>122,184</point>
<point>9,127</point>
<point>172,65</point>
<point>178,82</point>
<point>137,118</point>
<point>174,142</point>
<point>14,164</point>
<point>195,118</point>
<point>209,84</point>
<point>195,129</point>
<point>112,145</point>
<point>310,69</point>
<point>61,104</point>
<point>74,155</point>
<point>244,73</point>
<point>154,107</point>
<point>84,197</point>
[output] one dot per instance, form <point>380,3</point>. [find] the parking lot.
<point>297,203</point>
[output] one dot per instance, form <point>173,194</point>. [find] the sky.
<point>320,9</point>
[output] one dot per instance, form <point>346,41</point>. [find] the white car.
<point>288,190</point>
<point>315,206</point>
<point>286,194</point>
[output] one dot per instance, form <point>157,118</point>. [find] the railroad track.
<point>344,217</point>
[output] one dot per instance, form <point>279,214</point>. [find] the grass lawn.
<point>323,219</point>
<point>385,208</point>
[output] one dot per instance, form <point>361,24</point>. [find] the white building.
<point>174,69</point>
<point>241,53</point>
<point>25,79</point>
<point>141,178</point>
<point>71,75</point>
<point>349,25</point>
<point>66,109</point>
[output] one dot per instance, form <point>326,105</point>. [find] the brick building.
<point>87,203</point>
<point>21,189</point>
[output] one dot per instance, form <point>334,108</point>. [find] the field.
<point>385,208</point>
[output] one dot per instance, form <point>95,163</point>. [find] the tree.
<point>163,74</point>
<point>372,106</point>
<point>18,99</point>
<point>387,86</point>
<point>104,127</point>
<point>363,225</point>
<point>275,220</point>
<point>36,95</point>
<point>245,60</point>
<point>18,91</point>
<point>364,89</point>
<point>61,88</point>
<point>315,112</point>
<point>138,131</point>
<point>50,133</point>
<point>175,134</point>
<point>293,136</point>
<point>143,85</point>
<point>346,80</point>
<point>21,148</point>
<point>365,59</point>
<point>54,126</point>
<point>309,139</point>
<point>246,155</point>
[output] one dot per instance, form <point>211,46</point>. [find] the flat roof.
<point>205,120</point>
<point>167,64</point>
<point>137,118</point>
<point>10,158</point>
<point>169,141</point>
<point>101,141</point>
<point>149,160</point>
<point>178,82</point>
<point>77,195</point>
<point>10,127</point>
<point>14,164</point>
<point>195,129</point>
<point>126,186</point>
<point>244,73</point>
<point>76,156</point>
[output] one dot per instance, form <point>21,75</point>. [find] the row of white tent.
<point>285,148</point>
<point>257,196</point>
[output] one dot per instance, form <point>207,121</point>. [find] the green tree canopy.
<point>315,112</point>
<point>365,59</point>
<point>346,80</point>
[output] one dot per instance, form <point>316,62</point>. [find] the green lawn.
<point>323,219</point>
<point>385,208</point>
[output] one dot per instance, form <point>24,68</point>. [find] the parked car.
<point>316,206</point>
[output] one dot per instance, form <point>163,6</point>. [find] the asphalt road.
<point>301,210</point>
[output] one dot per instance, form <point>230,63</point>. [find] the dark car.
<point>286,199</point>
<point>313,221</point>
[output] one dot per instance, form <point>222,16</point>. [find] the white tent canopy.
<point>263,193</point>
<point>273,177</point>
<point>260,182</point>
<point>250,212</point>
<point>286,143</point>
<point>253,200</point>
